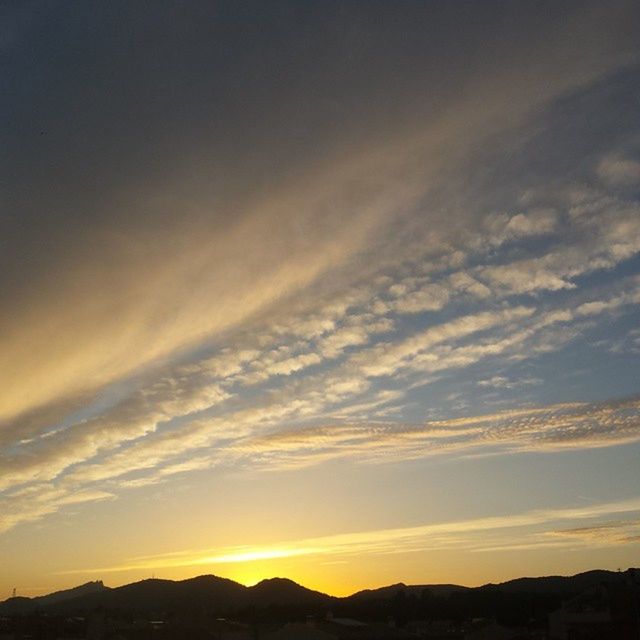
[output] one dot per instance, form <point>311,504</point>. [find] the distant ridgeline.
<point>18,604</point>
<point>515,602</point>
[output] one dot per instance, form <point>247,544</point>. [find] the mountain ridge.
<point>223,595</point>
<point>24,604</point>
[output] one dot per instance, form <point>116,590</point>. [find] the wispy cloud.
<point>282,326</point>
<point>477,534</point>
<point>552,428</point>
<point>192,389</point>
<point>235,442</point>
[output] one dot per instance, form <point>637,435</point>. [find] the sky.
<point>346,292</point>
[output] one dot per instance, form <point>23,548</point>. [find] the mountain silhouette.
<point>282,591</point>
<point>220,596</point>
<point>20,604</point>
<point>393,590</point>
<point>557,584</point>
<point>211,593</point>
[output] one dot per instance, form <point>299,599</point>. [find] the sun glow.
<point>256,554</point>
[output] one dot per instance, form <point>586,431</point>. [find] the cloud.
<point>386,359</point>
<point>477,534</point>
<point>267,277</point>
<point>504,228</point>
<point>258,186</point>
<point>335,343</point>
<point>430,297</point>
<point>462,281</point>
<point>139,433</point>
<point>609,533</point>
<point>525,277</point>
<point>502,382</point>
<point>619,171</point>
<point>551,428</point>
<point>39,500</point>
<point>134,417</point>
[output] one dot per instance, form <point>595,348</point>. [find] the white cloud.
<point>132,425</point>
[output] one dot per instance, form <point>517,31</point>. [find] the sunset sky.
<point>347,292</point>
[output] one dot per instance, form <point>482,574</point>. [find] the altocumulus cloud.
<point>275,295</point>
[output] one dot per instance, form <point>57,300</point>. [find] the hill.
<point>280,598</point>
<point>207,593</point>
<point>25,605</point>
<point>282,591</point>
<point>556,584</point>
<point>383,593</point>
<point>210,593</point>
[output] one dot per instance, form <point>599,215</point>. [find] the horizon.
<point>347,292</point>
<point>333,595</point>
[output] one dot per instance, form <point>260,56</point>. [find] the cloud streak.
<point>194,243</point>
<point>552,428</point>
<point>478,534</point>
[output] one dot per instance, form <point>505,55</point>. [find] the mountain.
<point>562,585</point>
<point>24,605</point>
<point>282,591</point>
<point>383,593</point>
<point>556,584</point>
<point>204,593</point>
<point>216,596</point>
<point>16,605</point>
